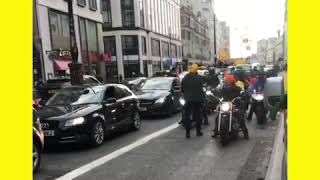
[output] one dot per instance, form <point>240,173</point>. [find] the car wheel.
<point>136,121</point>
<point>36,155</point>
<point>97,133</point>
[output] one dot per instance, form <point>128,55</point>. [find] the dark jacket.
<point>192,88</point>
<point>213,81</point>
<point>230,92</point>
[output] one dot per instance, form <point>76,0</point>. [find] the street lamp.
<point>76,71</point>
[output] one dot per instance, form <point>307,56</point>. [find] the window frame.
<point>114,43</point>
<point>93,6</point>
<point>144,48</point>
<point>152,50</point>
<point>134,50</point>
<point>123,13</point>
<point>82,4</point>
<point>109,25</point>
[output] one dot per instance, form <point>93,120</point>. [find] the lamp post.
<point>76,71</point>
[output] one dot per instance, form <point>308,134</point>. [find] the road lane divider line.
<point>102,160</point>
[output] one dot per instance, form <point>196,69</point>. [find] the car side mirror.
<point>110,101</point>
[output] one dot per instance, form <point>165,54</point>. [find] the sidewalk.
<point>278,161</point>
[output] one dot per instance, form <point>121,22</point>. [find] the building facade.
<point>140,36</point>
<point>262,51</point>
<point>270,51</point>
<point>194,33</point>
<point>223,40</point>
<point>54,35</point>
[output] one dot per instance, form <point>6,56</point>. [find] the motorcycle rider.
<point>192,89</point>
<point>229,92</point>
<point>213,80</point>
<point>257,86</point>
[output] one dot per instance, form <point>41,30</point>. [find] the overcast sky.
<point>255,19</point>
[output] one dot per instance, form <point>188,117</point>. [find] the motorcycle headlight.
<point>225,107</point>
<point>160,100</point>
<point>182,101</point>
<point>209,93</point>
<point>258,97</point>
<point>74,122</point>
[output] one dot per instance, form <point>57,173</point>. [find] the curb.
<point>275,164</point>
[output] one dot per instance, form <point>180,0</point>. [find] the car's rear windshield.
<point>77,95</point>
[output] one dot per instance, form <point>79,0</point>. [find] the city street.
<point>168,156</point>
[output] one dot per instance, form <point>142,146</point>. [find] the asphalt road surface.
<point>168,156</point>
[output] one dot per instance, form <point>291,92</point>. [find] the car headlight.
<point>182,101</point>
<point>225,107</point>
<point>160,100</point>
<point>74,122</point>
<point>209,93</point>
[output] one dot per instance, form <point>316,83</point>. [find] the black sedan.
<point>38,141</point>
<point>88,113</point>
<point>160,95</point>
<point>47,90</point>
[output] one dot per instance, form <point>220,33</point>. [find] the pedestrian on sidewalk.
<point>192,89</point>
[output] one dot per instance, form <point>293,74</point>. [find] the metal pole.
<point>214,37</point>
<point>76,72</point>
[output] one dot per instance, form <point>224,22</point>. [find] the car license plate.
<point>48,132</point>
<point>53,91</point>
<point>143,109</point>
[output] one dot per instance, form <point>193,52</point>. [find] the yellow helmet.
<point>194,68</point>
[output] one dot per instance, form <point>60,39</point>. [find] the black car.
<point>160,95</point>
<point>47,90</point>
<point>38,141</point>
<point>88,113</point>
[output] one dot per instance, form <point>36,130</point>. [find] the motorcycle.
<point>228,119</point>
<point>257,103</point>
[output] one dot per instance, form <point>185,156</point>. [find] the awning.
<point>61,65</point>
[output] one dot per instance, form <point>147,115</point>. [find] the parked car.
<point>38,141</point>
<point>52,86</point>
<point>135,84</point>
<point>160,95</point>
<point>87,113</point>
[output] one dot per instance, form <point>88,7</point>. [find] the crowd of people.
<point>236,84</point>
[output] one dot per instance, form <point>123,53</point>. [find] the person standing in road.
<point>192,89</point>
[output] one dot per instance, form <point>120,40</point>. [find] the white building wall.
<point>116,16</point>
<point>43,7</point>
<point>45,38</point>
<point>159,16</point>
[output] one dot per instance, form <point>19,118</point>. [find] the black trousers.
<point>195,108</point>
<point>204,115</point>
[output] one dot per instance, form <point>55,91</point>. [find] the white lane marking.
<point>98,162</point>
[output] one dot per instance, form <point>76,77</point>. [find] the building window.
<point>81,3</point>
<point>155,46</point>
<point>179,52</point>
<point>83,40</point>
<point>106,14</point>
<point>93,4</point>
<point>130,45</point>
<point>144,45</point>
<point>127,11</point>
<point>173,50</point>
<point>59,30</point>
<point>141,9</point>
<point>183,32</point>
<point>89,44</point>
<point>110,45</point>
<point>165,49</point>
